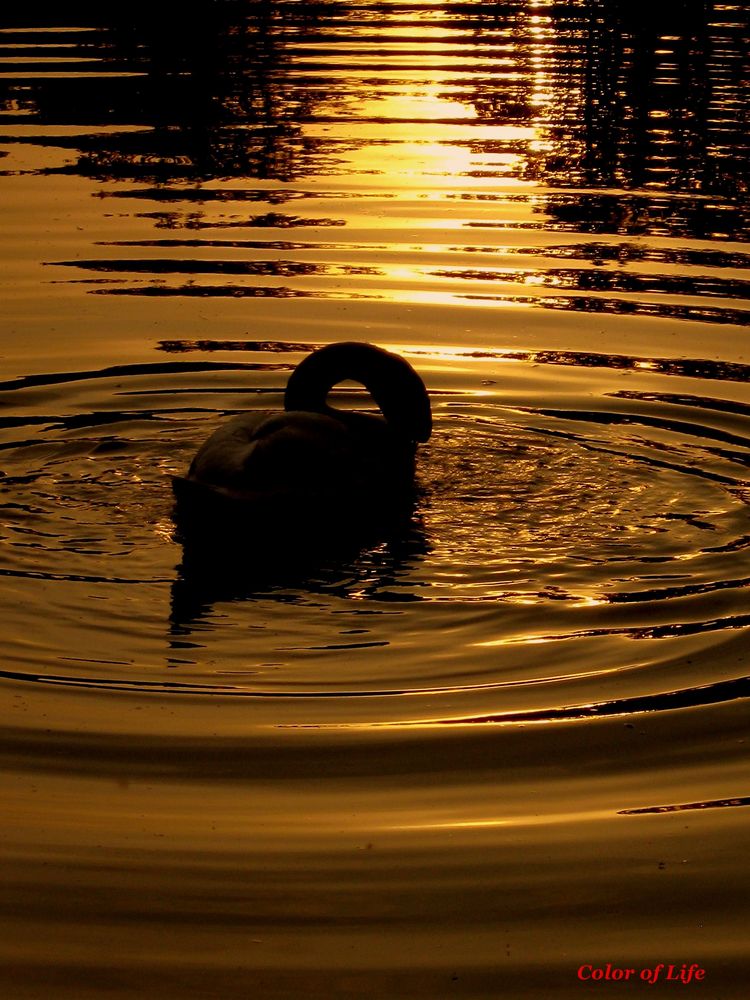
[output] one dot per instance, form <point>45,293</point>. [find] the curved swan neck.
<point>392,382</point>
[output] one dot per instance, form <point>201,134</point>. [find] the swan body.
<point>310,456</point>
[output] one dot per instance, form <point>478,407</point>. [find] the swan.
<point>310,457</point>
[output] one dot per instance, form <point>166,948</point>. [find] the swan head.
<point>391,381</point>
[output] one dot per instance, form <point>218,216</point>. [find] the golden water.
<point>511,740</point>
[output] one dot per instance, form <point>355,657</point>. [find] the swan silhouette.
<point>311,458</point>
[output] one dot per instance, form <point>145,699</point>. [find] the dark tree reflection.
<point>621,96</point>
<point>626,96</point>
<point>213,91</point>
<point>662,100</point>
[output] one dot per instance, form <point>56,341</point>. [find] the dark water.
<point>505,740</point>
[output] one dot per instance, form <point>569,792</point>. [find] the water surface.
<point>508,738</point>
